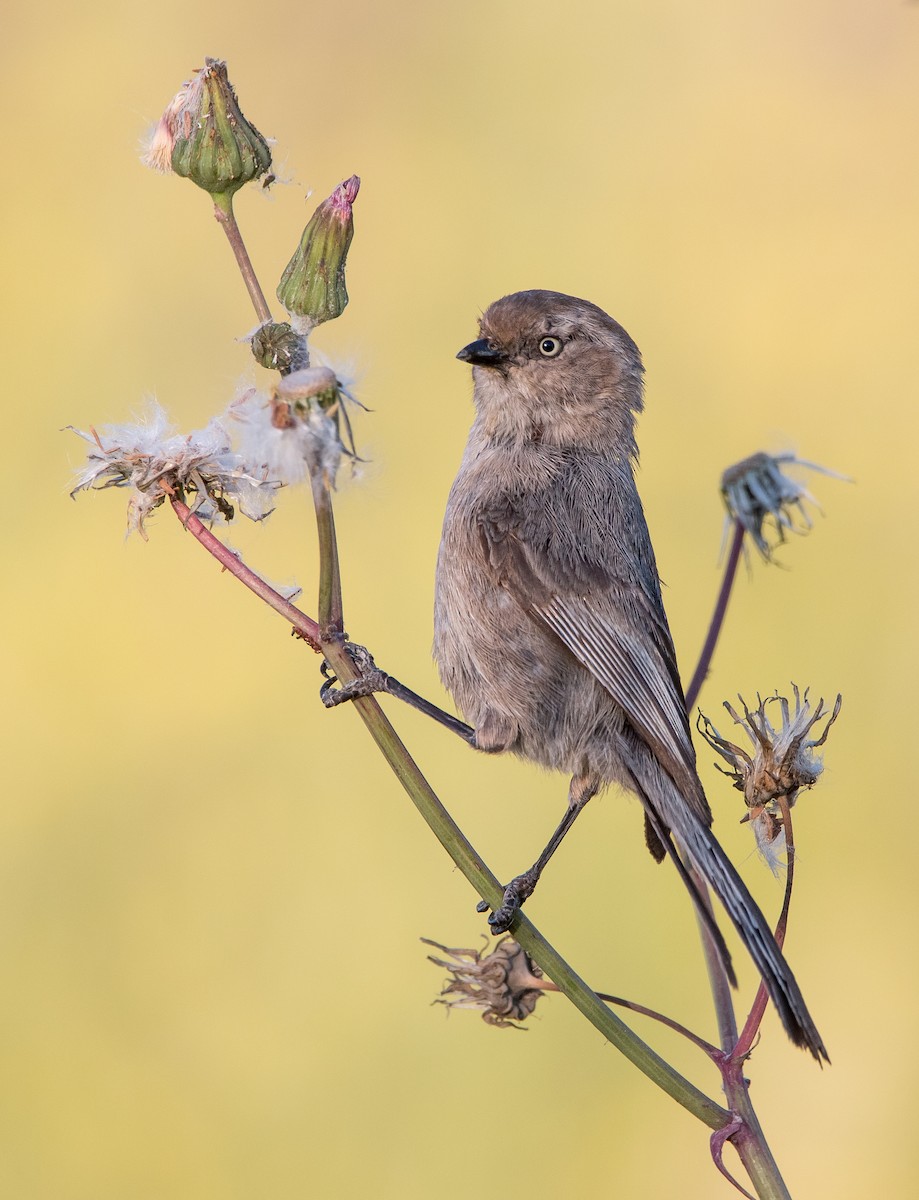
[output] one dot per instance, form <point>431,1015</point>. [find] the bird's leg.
<point>582,788</point>
<point>372,679</point>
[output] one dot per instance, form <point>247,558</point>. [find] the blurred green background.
<point>211,889</point>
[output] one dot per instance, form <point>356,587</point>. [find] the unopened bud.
<point>313,283</point>
<point>204,136</point>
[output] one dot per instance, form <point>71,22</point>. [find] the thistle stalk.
<point>226,219</point>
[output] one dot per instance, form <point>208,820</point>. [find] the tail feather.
<point>707,855</point>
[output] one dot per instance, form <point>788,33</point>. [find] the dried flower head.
<point>297,430</point>
<point>757,491</point>
<point>783,760</point>
<point>155,461</point>
<point>276,346</point>
<point>204,136</point>
<point>502,985</point>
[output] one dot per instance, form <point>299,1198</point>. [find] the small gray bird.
<point>549,627</point>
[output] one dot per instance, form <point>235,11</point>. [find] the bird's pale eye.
<point>550,347</point>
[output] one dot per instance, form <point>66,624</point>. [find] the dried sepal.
<point>782,761</point>
<point>503,984</point>
<point>155,462</point>
<point>300,429</point>
<point>758,493</point>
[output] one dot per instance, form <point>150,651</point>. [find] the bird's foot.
<point>516,892</point>
<point>371,679</point>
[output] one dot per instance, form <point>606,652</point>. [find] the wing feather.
<point>619,633</point>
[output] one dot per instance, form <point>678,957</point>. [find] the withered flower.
<point>757,491</point>
<point>278,347</point>
<point>502,985</point>
<point>153,461</point>
<point>782,764</point>
<point>301,429</point>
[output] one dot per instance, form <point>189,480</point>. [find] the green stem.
<point>461,850</point>
<point>749,1141</point>
<point>451,836</point>
<point>331,615</point>
<point>525,933</point>
<point>226,218</point>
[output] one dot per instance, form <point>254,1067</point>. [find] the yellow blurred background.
<point>211,889</point>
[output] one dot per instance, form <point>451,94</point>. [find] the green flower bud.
<point>313,283</point>
<point>277,347</point>
<point>204,137</point>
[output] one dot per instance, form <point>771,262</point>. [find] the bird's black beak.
<point>482,354</point>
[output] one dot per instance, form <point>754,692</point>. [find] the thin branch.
<point>761,1000</point>
<point>721,607</point>
<point>226,218</point>
<point>331,612</point>
<point>749,1140</point>
<point>717,976</point>
<point>719,983</point>
<point>457,845</point>
<point>303,625</point>
<point>484,881</point>
<point>712,1051</point>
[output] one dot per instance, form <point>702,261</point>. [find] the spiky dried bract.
<point>155,462</point>
<point>313,284</point>
<point>758,493</point>
<point>503,984</point>
<point>204,136</point>
<point>783,761</point>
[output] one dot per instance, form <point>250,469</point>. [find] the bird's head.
<point>554,369</point>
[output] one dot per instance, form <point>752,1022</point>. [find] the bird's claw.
<point>371,679</point>
<point>515,894</point>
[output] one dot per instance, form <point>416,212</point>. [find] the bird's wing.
<point>617,630</point>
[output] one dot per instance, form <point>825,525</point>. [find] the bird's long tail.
<point>702,847</point>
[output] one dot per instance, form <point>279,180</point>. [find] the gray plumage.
<point>550,629</point>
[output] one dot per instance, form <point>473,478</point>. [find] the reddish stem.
<point>721,607</point>
<point>712,1051</point>
<point>303,625</point>
<point>721,990</point>
<point>752,1024</point>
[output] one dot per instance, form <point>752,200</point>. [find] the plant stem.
<point>464,855</point>
<point>721,607</point>
<point>448,832</point>
<point>525,933</point>
<point>717,976</point>
<point>223,211</point>
<point>303,625</point>
<point>745,1132</point>
<point>758,1008</point>
<point>331,615</point>
<point>328,637</point>
<point>713,1052</point>
<point>718,980</point>
<point>749,1141</point>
